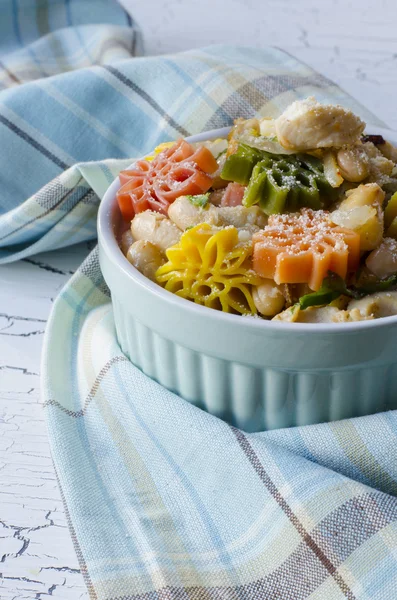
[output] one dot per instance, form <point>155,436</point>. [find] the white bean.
<point>126,241</point>
<point>146,257</point>
<point>389,151</point>
<point>353,163</point>
<point>156,228</point>
<point>185,214</point>
<point>268,298</point>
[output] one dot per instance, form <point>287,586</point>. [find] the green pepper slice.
<point>238,166</point>
<point>334,286</point>
<point>320,298</point>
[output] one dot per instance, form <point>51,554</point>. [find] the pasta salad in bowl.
<point>288,222</point>
<point>291,219</point>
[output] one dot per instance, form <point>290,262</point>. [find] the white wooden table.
<point>349,41</point>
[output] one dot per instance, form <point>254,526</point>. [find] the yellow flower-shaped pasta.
<point>159,149</point>
<point>211,268</point>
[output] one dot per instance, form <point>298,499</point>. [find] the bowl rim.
<point>107,238</point>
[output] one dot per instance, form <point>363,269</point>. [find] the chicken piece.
<point>307,124</point>
<point>153,227</point>
<point>322,314</point>
<point>290,315</point>
<point>350,316</point>
<point>381,304</point>
<point>318,314</point>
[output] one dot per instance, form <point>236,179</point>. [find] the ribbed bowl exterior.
<point>252,398</point>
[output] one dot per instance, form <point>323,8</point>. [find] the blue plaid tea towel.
<point>164,501</point>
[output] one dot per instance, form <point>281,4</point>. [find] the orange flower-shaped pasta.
<point>155,184</point>
<point>302,248</point>
<point>211,268</point>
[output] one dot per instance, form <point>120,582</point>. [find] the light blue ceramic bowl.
<point>253,373</point>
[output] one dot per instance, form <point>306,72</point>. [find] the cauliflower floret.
<point>241,216</point>
<point>307,124</point>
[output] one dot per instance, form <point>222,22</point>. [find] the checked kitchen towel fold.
<point>164,501</point>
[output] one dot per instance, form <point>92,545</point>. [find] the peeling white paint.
<point>352,42</point>
<point>37,558</point>
<point>343,39</point>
